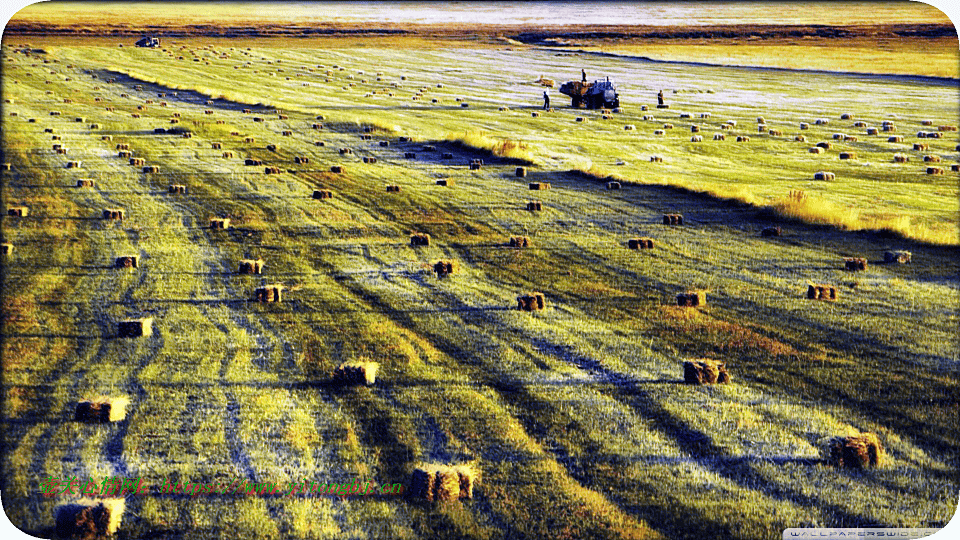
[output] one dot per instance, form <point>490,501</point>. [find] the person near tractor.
<point>546,101</point>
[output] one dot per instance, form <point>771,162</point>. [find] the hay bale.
<point>685,115</point>
<point>822,121</point>
<point>668,126</point>
<point>705,371</point>
<point>319,143</point>
<point>384,143</point>
<point>897,256</point>
<point>531,302</point>
<point>468,477</point>
<point>272,147</point>
<point>135,328</point>
<point>369,159</point>
<point>900,158</point>
<point>85,183</point>
<point>656,159</point>
<point>535,114</point>
<point>613,185</point>
<point>955,167</point>
<point>719,137</point>
<point>419,239</point>
<point>825,145</point>
<point>6,249</point>
<point>771,231</point>
<point>821,292</point>
<point>926,122</point>
<point>659,132</point>
<point>804,125</point>
<point>113,213</point>
<point>743,138</point>
<point>393,188</point>
<point>423,482</point>
<point>73,164</point>
<point>855,451</point>
<point>692,299</point>
<point>320,194</point>
<point>946,128</point>
<point>534,206</point>
<point>249,139</point>
<point>921,146</point>
<point>102,409</point>
<point>694,129</point>
<point>800,138</point>
<point>539,185</point>
<point>673,219</point>
<point>18,211</point>
<point>932,159</point>
<point>356,373</point>
<point>873,131</point>
<point>87,519</point>
<point>935,170</point>
<point>760,120</point>
<point>444,268</point>
<point>855,264</point>
<point>301,160</point>
<point>640,243</point>
<point>775,133</point>
<point>761,128</point>
<point>696,138</point>
<point>629,127</point>
<point>846,116</point>
<point>889,128</point>
<point>824,175</point>
<point>848,155</point>
<point>251,266</point>
<point>126,261</point>
<point>219,223</point>
<point>269,293</point>
<point>151,169</point>
<point>338,169</point>
<point>519,241</point>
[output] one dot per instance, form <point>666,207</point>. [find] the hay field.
<point>575,416</point>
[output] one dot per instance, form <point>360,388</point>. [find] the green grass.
<point>572,415</point>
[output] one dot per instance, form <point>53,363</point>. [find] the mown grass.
<point>574,416</point>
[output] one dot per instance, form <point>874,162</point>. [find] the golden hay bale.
<point>804,125</point>
<point>629,127</point>
<point>272,147</point>
<point>743,138</point>
<point>102,409</point>
<point>855,264</point>
<point>705,371</point>
<point>534,206</point>
<point>825,145</point>
<point>531,302</point>
<point>935,170</point>
<point>668,126</point>
<point>692,299</point>
<point>87,519</point>
<point>468,479</point>
<point>855,451</point>
<point>369,159</point>
<point>719,137</point>
<point>613,185</point>
<point>760,120</point>
<point>955,167</point>
<point>18,211</point>
<point>269,293</point>
<point>824,175</point>
<point>393,188</point>
<point>900,158</point>
<point>775,133</point>
<point>889,128</point>
<point>151,169</point>
<point>659,132</point>
<point>848,155</point>
<point>6,249</point>
<point>73,164</point>
<point>251,266</point>
<point>846,116</point>
<point>444,182</point>
<point>822,121</point>
<point>694,129</point>
<point>135,327</point>
<point>771,231</point>
<point>656,159</point>
<point>821,292</point>
<point>422,482</point>
<point>177,188</point>
<point>356,373</point>
<point>696,138</point>
<point>126,261</point>
<point>872,131</point>
<point>673,219</point>
<point>249,139</point>
<point>519,241</point>
<point>539,185</point>
<point>338,169</point>
<point>897,256</point>
<point>113,213</point>
<point>640,243</point>
<point>219,223</point>
<point>384,143</point>
<point>895,139</point>
<point>947,128</point>
<point>419,239</point>
<point>920,146</point>
<point>85,183</point>
<point>444,268</point>
<point>761,128</point>
<point>932,159</point>
<point>322,194</point>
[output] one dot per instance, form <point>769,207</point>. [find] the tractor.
<point>595,95</point>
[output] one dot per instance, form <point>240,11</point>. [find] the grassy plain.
<point>574,415</point>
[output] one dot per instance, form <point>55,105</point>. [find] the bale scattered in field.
<point>320,194</point>
<point>384,143</point>
<point>825,145</point>
<point>955,167</point>
<point>696,138</point>
<point>113,213</point>
<point>219,223</point>
<point>151,169</point>
<point>804,125</point>
<point>345,151</point>
<point>356,373</point>
<point>672,219</point>
<point>446,155</point>
<point>18,211</point>
<point>668,126</point>
<point>801,138</point>
<point>935,170</point>
<point>705,371</point>
<point>743,138</point>
<point>934,135</point>
<point>694,129</point>
<point>519,241</point>
<point>272,147</point>
<point>249,139</point>
<point>761,128</point>
<point>338,169</point>
<point>932,159</point>
<point>824,175</point>
<point>252,162</point>
<point>444,268</point>
<point>889,128</point>
<point>613,185</point>
<point>947,128</point>
<point>271,170</point>
<point>135,328</point>
<point>692,299</point>
<point>534,206</point>
<point>895,139</point>
<point>860,124</point>
<point>269,293</point>
<point>393,188</point>
<point>656,159</point>
<point>366,137</point>
<point>659,132</point>
<point>897,256</point>
<point>684,115</point>
<point>640,243</point>
<point>251,266</point>
<point>775,133</point>
<point>900,158</point>
<point>873,131</point>
<point>539,185</point>
<point>926,122</point>
<point>846,116</point>
<point>822,121</point>
<point>301,159</point>
<point>848,155</point>
<point>719,137</point>
<point>855,264</point>
<point>821,292</point>
<point>126,261</point>
<point>771,231</point>
<point>6,248</point>
<point>87,519</point>
<point>419,239</point>
<point>73,164</point>
<point>856,451</point>
<point>629,127</point>
<point>531,302</point>
<point>102,409</point>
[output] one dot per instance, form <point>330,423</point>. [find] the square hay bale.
<point>775,132</point>
<point>444,182</point>
<point>659,132</point>
<point>873,131</point>
<point>705,371</point>
<point>446,155</point>
<point>539,185</point>
<point>89,519</point>
<point>856,451</point>
<point>135,328</point>
<point>251,266</point>
<point>86,182</point>
<point>369,159</point>
<point>102,409</point>
<point>227,155</point>
<point>640,243</point>
<point>955,167</point>
<point>719,137</point>
<point>272,147</point>
<point>219,223</point>
<point>696,138</point>
<point>743,138</point>
<point>900,158</point>
<point>821,292</point>
<point>287,133</point>
<point>250,139</point>
<point>419,239</point>
<point>338,169</point>
<point>824,175</point>
<point>444,268</point>
<point>126,261</point>
<point>356,373</point>
<point>468,479</point>
<point>771,231</point>
<point>629,127</point>
<point>804,125</point>
<point>6,249</point>
<point>393,188</point>
<point>534,206</point>
<point>613,185</point>
<point>761,128</point>
<point>521,172</point>
<point>692,299</point>
<point>846,116</point>
<point>410,155</point>
<point>252,162</point>
<point>860,124</point>
<point>113,213</point>
<point>319,143</point>
<point>889,128</point>
<point>269,293</point>
<point>151,169</point>
<point>73,164</point>
<point>825,145</point>
<point>672,219</point>
<point>897,256</point>
<point>932,159</point>
<point>855,264</point>
<point>137,161</point>
<point>935,170</point>
<point>321,194</point>
<point>895,139</point>
<point>656,159</point>
<point>271,170</point>
<point>519,241</point>
<point>921,146</point>
<point>531,302</point>
<point>384,143</point>
<point>839,136</point>
<point>124,154</point>
<point>668,126</point>
<point>423,482</point>
<point>848,155</point>
<point>177,188</point>
<point>694,129</point>
<point>947,128</point>
<point>822,121</point>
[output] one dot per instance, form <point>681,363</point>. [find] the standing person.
<point>546,101</point>
<point>584,74</point>
<point>660,98</point>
